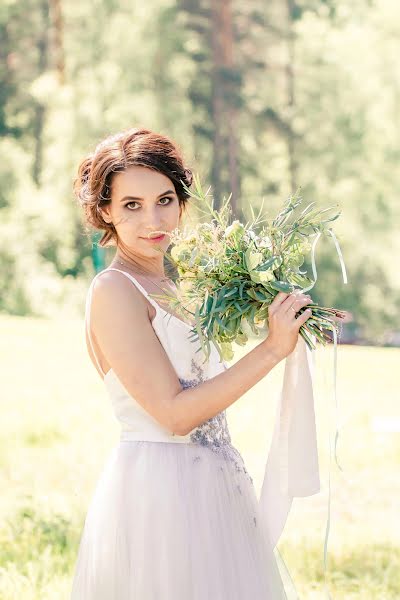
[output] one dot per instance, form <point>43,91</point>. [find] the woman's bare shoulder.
<point>131,347</point>
<point>114,291</point>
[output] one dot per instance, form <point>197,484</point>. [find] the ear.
<point>104,212</point>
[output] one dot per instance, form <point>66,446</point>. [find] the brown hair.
<point>136,146</point>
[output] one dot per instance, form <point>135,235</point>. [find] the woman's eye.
<point>164,198</point>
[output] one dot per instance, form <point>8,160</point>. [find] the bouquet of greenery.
<point>230,273</point>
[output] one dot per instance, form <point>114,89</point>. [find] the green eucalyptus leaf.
<point>231,292</point>
<point>252,293</point>
<point>221,324</point>
<point>252,258</point>
<point>273,262</point>
<point>240,309</point>
<point>281,286</point>
<point>261,276</point>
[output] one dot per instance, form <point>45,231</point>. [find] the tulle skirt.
<point>175,521</point>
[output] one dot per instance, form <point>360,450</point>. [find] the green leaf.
<point>274,260</point>
<point>252,293</point>
<point>205,344</point>
<point>261,276</point>
<point>252,258</point>
<point>231,292</point>
<point>281,286</point>
<point>220,323</point>
<point>240,309</point>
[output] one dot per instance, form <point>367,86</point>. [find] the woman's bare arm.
<point>195,405</point>
<point>123,330</point>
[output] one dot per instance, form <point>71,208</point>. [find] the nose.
<point>156,226</point>
<point>152,222</point>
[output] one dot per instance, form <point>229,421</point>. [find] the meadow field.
<point>57,429</point>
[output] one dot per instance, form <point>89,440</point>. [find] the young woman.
<point>174,515</point>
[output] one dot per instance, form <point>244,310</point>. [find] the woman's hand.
<point>284,322</point>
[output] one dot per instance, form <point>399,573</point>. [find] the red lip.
<point>155,239</point>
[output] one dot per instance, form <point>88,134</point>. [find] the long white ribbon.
<point>292,468</point>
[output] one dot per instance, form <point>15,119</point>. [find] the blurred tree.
<point>215,90</point>
<point>57,38</point>
<point>264,97</point>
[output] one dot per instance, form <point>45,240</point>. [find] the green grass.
<point>57,429</point>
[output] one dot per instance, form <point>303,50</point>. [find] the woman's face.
<point>143,203</point>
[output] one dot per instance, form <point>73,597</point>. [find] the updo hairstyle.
<point>135,146</point>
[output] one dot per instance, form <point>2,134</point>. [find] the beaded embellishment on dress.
<point>198,370</point>
<point>214,432</point>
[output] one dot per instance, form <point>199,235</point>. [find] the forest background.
<point>262,98</point>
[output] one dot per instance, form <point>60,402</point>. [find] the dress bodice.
<point>175,337</point>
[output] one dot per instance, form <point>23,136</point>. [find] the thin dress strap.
<point>159,309</point>
<point>141,288</point>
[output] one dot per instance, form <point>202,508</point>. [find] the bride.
<point>174,514</point>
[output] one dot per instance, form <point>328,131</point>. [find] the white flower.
<point>265,242</point>
<point>236,227</point>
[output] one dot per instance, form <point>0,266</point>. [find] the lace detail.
<point>198,371</point>
<point>214,433</point>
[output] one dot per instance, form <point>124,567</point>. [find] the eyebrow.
<point>135,198</point>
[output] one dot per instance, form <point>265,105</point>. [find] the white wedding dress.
<point>176,517</point>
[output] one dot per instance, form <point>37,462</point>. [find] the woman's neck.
<point>139,270</point>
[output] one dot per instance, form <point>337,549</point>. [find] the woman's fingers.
<point>284,320</point>
<point>279,298</point>
<point>296,300</point>
<point>286,301</point>
<point>297,304</point>
<point>303,317</point>
<point>276,302</point>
